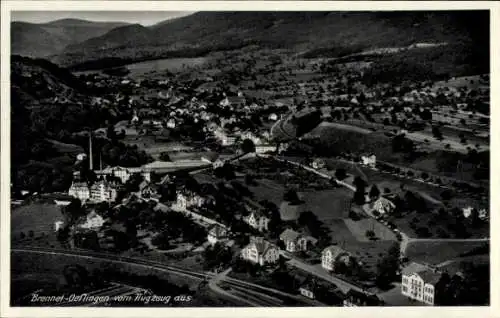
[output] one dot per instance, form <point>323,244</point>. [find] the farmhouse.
<point>333,254</point>
<point>260,252</point>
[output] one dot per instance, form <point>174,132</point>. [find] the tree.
<point>359,197</point>
<point>360,184</point>
<point>73,211</point>
<point>110,132</point>
<point>388,267</point>
<point>370,234</point>
<point>164,156</point>
<point>248,146</point>
<point>291,196</point>
<point>340,174</point>
<point>436,132</point>
<point>374,192</point>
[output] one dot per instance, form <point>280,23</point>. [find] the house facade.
<point>257,221</point>
<point>260,251</point>
<point>80,190</point>
<point>383,205</point>
<point>216,233</point>
<point>419,284</point>
<point>189,199</point>
<point>295,242</point>
<point>103,191</point>
<point>369,160</point>
<point>332,255</point>
<point>93,222</point>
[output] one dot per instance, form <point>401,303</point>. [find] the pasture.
<point>328,204</point>
<point>36,217</point>
<point>436,252</point>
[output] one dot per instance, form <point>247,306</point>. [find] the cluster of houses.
<point>100,191</point>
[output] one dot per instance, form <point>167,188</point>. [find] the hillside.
<point>42,40</point>
<point>298,31</point>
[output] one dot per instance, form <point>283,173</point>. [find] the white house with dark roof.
<point>383,205</point>
<point>334,254</point>
<point>418,282</point>
<point>257,220</point>
<point>260,251</point>
<point>369,160</point>
<point>295,241</point>
<point>216,233</point>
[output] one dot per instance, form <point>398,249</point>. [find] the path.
<point>320,273</point>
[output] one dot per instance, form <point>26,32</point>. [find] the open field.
<point>359,228</point>
<point>328,204</point>
<point>36,217</point>
<point>268,190</point>
<point>437,252</point>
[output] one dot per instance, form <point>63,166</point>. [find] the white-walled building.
<point>295,242</point>
<point>260,251</point>
<point>383,205</point>
<point>80,190</point>
<point>93,222</point>
<point>189,199</point>
<point>216,233</point>
<point>369,160</point>
<point>257,221</point>
<point>333,254</point>
<point>418,282</point>
<point>103,191</point>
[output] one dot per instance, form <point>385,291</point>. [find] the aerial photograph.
<point>249,158</point>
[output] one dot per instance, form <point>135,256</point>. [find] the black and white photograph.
<point>248,158</point>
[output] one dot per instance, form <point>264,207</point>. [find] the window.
<point>404,289</point>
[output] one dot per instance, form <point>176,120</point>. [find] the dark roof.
<point>289,212</point>
<point>430,277</point>
<point>289,235</point>
<point>335,250</point>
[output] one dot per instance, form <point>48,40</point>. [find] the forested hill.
<point>298,31</point>
<point>49,109</point>
<point>45,39</point>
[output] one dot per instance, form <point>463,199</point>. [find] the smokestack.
<point>91,164</point>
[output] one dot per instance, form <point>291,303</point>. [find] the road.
<point>343,285</point>
<point>213,285</point>
<point>259,292</point>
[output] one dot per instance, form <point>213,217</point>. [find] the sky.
<point>142,17</point>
